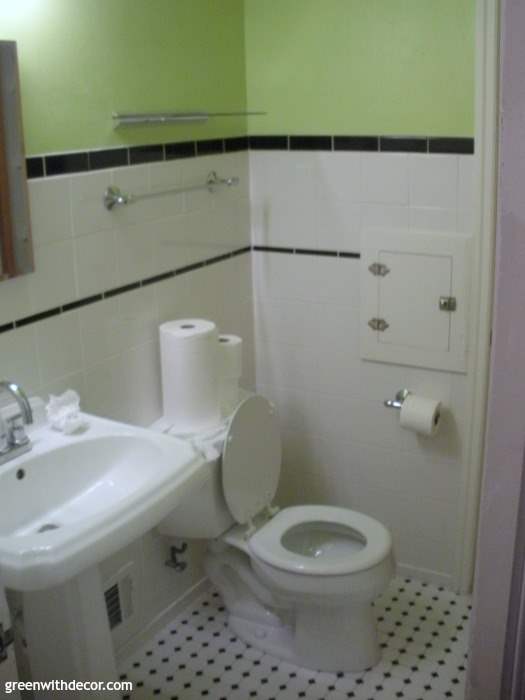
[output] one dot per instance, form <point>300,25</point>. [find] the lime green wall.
<point>361,66</point>
<point>80,60</point>
<point>332,66</point>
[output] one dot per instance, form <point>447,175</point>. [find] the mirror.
<point>16,253</point>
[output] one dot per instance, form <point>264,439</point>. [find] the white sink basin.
<point>74,500</point>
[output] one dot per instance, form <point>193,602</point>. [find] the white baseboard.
<point>161,620</point>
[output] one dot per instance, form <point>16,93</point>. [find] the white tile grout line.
<point>423,634</point>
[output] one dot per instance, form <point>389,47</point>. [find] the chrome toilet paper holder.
<point>398,401</point>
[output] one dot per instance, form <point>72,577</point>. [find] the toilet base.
<point>313,632</point>
<point>325,639</point>
<point>273,639</point>
<point>333,638</point>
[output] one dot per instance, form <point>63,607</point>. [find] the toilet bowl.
<point>321,551</point>
<point>299,582</point>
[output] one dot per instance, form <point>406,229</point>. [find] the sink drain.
<point>47,527</point>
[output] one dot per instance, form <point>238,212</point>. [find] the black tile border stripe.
<point>66,163</point>
<point>122,156</point>
<point>108,158</point>
<point>184,149</point>
<point>460,146</point>
<point>307,251</point>
<point>190,268</point>
<point>118,291</point>
<point>272,249</point>
<point>138,155</point>
<point>82,302</point>
<point>269,143</point>
<point>349,254</point>
<point>210,147</point>
<point>236,143</point>
<point>403,144</point>
<point>158,278</point>
<point>35,167</point>
<point>241,251</point>
<point>41,316</point>
<point>356,143</point>
<point>310,143</point>
<point>314,251</point>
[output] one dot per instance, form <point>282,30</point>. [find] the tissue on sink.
<point>63,412</point>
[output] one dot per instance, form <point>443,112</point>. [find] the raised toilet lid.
<point>251,460</point>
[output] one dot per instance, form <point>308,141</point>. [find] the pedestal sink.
<point>68,504</point>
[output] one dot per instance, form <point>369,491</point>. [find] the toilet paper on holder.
<point>417,413</point>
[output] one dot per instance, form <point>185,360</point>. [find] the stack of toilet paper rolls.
<point>200,374</point>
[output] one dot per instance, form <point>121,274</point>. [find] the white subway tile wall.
<point>80,247</point>
<point>325,199</point>
<point>341,445</point>
<point>109,349</point>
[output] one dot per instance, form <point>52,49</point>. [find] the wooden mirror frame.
<point>16,254</point>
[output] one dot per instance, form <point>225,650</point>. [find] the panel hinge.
<point>378,324</point>
<point>379,269</point>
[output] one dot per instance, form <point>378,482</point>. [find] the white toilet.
<point>299,582</point>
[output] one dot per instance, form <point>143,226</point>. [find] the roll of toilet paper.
<point>190,378</point>
<point>230,356</point>
<point>421,415</point>
<point>230,370</point>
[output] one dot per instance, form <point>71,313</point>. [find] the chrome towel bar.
<point>113,197</point>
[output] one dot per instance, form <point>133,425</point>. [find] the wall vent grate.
<point>113,606</point>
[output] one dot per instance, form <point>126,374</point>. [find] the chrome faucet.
<point>13,438</point>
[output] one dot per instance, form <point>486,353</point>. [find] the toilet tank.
<point>204,513</point>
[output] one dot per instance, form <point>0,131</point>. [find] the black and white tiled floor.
<point>423,634</point>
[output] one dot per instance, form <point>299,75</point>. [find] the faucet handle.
<point>16,432</point>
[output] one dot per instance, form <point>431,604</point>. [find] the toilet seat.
<point>350,542</point>
<point>267,543</point>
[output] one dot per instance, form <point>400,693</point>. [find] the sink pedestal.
<point>71,502</point>
<point>68,636</point>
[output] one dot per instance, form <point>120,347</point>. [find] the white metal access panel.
<point>414,298</point>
